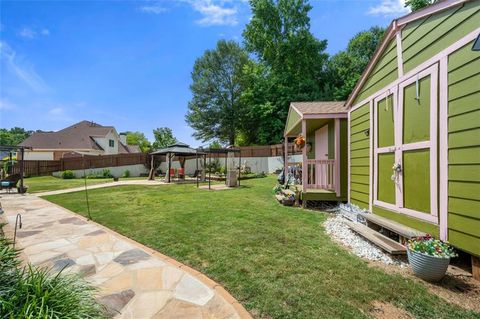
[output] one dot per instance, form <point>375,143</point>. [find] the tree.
<point>345,68</point>
<point>291,64</point>
<point>418,4</point>
<point>138,138</point>
<point>163,138</point>
<point>13,136</point>
<point>215,110</point>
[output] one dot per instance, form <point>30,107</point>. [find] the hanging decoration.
<point>299,141</point>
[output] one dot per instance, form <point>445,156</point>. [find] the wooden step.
<point>378,239</point>
<point>393,226</point>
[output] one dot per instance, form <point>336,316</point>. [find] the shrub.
<point>126,173</point>
<point>105,173</point>
<point>68,174</point>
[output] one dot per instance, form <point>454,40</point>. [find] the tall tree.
<point>418,4</point>
<point>138,138</point>
<point>291,65</point>
<point>215,110</point>
<point>346,67</point>
<point>13,136</point>
<point>163,138</point>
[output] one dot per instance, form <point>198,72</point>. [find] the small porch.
<point>320,171</point>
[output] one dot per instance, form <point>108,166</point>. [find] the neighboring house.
<point>414,125</point>
<point>324,157</point>
<point>85,137</point>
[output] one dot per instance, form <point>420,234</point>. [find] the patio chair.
<point>10,182</point>
<point>181,173</point>
<point>172,173</point>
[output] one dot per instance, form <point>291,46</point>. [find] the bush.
<point>67,174</point>
<point>105,173</point>
<point>31,292</point>
<point>126,173</point>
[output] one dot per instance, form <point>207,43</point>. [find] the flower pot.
<point>427,267</point>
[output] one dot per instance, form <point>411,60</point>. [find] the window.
<point>111,143</point>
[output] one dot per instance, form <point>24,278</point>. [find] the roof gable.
<point>386,71</point>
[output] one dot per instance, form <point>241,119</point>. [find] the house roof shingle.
<point>329,107</point>
<point>79,136</point>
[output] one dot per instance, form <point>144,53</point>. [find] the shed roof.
<point>328,107</point>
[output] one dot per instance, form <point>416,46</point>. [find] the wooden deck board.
<point>378,239</point>
<point>393,226</point>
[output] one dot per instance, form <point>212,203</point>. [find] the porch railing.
<point>321,174</point>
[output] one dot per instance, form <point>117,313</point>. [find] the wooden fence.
<point>42,168</point>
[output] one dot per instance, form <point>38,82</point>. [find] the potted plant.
<point>288,200</point>
<point>429,257</point>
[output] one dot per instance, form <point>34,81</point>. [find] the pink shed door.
<point>321,153</point>
<point>321,143</point>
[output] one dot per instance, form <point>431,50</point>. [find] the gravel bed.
<point>336,228</point>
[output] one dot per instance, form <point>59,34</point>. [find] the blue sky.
<point>128,63</point>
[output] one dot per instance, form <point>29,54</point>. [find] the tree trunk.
<point>151,175</point>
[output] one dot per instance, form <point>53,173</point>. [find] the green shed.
<point>414,125</point>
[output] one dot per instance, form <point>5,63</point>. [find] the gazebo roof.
<point>178,148</point>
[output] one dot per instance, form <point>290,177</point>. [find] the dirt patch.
<point>385,310</point>
<point>457,287</point>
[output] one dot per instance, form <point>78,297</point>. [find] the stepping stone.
<point>28,233</point>
<point>192,290</point>
<point>97,232</point>
<point>116,302</point>
<point>131,256</point>
<point>72,220</point>
<point>63,263</point>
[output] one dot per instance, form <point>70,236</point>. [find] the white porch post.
<point>304,156</point>
<point>337,157</point>
<point>285,166</point>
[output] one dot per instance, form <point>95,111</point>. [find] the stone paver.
<point>134,281</point>
<point>103,185</point>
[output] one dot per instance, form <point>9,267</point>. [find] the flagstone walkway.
<point>103,185</point>
<point>134,280</point>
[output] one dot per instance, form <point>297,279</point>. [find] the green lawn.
<point>276,260</point>
<point>50,183</point>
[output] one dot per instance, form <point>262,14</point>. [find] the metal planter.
<point>427,267</point>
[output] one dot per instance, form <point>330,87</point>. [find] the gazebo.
<point>230,168</point>
<point>182,151</point>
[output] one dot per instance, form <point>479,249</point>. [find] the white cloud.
<point>27,33</point>
<point>33,32</point>
<point>153,9</point>
<point>214,13</point>
<point>21,69</point>
<point>389,8</point>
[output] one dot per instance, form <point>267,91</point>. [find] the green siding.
<point>384,72</point>
<point>416,180</point>
<point>424,38</point>
<point>464,147</point>
<point>407,220</point>
<point>359,156</point>
<point>386,188</point>
<point>385,122</point>
<point>292,120</point>
<point>416,127</point>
